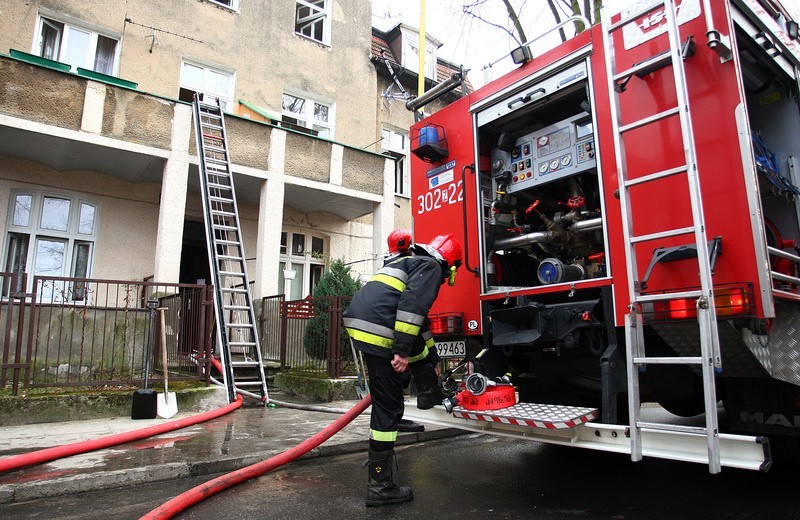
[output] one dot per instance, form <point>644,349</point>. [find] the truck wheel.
<point>689,406</point>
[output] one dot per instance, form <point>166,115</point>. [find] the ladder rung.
<point>662,234</point>
<point>221,227</point>
<point>227,242</point>
<point>634,16</point>
<point>660,297</point>
<point>655,176</point>
<point>208,107</point>
<point>232,273</point>
<point>680,428</point>
<point>784,277</point>
<point>233,290</point>
<point>248,383</point>
<point>236,307</point>
<point>647,120</point>
<point>223,213</point>
<point>215,149</point>
<point>245,363</point>
<point>671,360</point>
<point>230,257</point>
<point>210,170</point>
<point>215,161</point>
<point>783,254</point>
<point>210,126</point>
<point>239,325</point>
<point>219,187</point>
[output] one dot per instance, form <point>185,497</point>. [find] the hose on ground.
<point>214,486</point>
<point>285,404</point>
<point>76,448</point>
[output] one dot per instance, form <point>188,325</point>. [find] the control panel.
<point>554,152</point>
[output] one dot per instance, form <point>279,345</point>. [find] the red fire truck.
<point>629,206</point>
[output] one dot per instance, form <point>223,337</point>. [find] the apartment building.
<point>98,164</point>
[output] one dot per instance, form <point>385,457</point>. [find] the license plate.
<point>451,349</point>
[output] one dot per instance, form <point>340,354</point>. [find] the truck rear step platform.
<point>736,451</point>
<point>548,416</point>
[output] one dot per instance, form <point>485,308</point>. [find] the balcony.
<point>89,122</point>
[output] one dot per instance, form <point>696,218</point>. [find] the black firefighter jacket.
<point>389,314</point>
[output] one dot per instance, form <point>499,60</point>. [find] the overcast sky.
<point>470,42</point>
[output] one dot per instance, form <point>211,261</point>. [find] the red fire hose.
<point>214,486</point>
<point>76,448</point>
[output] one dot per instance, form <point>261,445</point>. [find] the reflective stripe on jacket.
<point>389,314</point>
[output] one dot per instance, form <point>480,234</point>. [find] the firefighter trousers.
<point>386,387</point>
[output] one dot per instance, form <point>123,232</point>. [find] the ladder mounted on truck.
<point>709,359</point>
<point>238,342</point>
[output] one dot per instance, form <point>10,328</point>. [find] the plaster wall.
<point>46,97</point>
<point>257,44</point>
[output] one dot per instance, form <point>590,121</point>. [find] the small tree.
<point>336,281</point>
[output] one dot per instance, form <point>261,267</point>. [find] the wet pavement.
<point>243,437</point>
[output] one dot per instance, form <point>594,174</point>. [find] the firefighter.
<point>399,242</point>
<point>385,321</point>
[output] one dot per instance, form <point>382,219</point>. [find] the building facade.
<point>98,163</point>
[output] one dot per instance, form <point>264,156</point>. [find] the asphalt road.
<point>466,477</point>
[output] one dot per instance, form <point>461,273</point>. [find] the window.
<point>410,54</point>
<point>212,83</point>
<point>233,4</point>
<point>53,235</point>
<point>308,113</point>
<point>302,267</point>
<point>313,20</point>
<point>77,46</point>
<point>395,145</point>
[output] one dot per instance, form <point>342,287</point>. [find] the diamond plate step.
<point>547,416</point>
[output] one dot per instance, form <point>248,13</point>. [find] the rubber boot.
<point>428,392</point>
<point>407,425</point>
<point>381,490</point>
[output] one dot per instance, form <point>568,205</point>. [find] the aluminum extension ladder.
<point>709,359</point>
<point>237,336</point>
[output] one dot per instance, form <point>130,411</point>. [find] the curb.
<point>60,486</point>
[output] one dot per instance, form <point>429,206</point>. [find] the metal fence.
<point>307,335</point>
<point>70,332</point>
<point>90,332</point>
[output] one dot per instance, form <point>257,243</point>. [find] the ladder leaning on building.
<point>238,344</point>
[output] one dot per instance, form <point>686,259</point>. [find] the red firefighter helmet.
<point>449,248</point>
<point>399,241</point>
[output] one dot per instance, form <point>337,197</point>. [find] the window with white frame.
<point>233,4</point>
<point>212,83</point>
<point>77,46</point>
<point>396,145</point>
<point>52,235</point>
<point>411,58</point>
<point>308,113</point>
<point>313,20</point>
<point>302,263</point>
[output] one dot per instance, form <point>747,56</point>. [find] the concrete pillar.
<point>337,164</point>
<point>383,216</point>
<point>270,220</point>
<point>93,105</point>
<point>171,213</point>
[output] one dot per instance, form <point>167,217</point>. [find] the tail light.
<point>729,301</point>
<point>447,323</point>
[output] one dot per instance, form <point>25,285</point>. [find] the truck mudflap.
<point>736,451</point>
